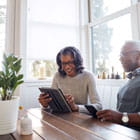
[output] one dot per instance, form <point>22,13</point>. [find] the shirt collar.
<point>134,73</point>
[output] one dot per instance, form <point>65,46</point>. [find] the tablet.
<point>58,102</point>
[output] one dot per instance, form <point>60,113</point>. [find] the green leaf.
<point>10,77</point>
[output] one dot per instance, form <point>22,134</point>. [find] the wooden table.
<point>72,126</point>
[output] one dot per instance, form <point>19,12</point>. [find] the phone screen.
<point>92,110</point>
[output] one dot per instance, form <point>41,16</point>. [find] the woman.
<point>76,83</point>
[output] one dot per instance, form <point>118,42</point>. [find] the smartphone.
<point>92,110</point>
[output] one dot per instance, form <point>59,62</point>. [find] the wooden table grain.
<point>72,126</point>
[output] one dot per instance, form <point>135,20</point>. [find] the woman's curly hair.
<point>75,53</point>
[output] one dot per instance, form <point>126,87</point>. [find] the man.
<point>128,101</point>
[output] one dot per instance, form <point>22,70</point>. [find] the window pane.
<point>101,8</point>
<point>48,39</point>
<point>51,25</point>
<point>53,11</point>
<point>40,69</point>
<point>108,39</point>
<point>2,27</point>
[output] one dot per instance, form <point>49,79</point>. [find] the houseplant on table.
<point>9,81</point>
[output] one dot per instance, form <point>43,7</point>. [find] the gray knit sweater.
<point>81,87</point>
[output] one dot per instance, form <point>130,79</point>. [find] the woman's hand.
<point>44,99</point>
<point>70,100</point>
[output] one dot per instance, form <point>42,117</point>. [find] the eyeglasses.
<point>123,54</point>
<point>67,63</point>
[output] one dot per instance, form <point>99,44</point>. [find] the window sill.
<point>111,82</point>
<point>38,83</point>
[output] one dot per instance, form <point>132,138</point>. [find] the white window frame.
<point>134,10</point>
<point>16,28</point>
<point>16,42</point>
<point>83,28</point>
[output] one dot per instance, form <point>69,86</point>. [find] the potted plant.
<point>9,81</point>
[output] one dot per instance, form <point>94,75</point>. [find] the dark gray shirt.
<point>129,96</point>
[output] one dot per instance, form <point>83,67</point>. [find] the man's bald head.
<point>131,46</point>
<point>130,55</point>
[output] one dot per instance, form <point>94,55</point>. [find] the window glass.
<point>2,27</point>
<point>107,42</point>
<point>51,25</point>
<point>101,8</point>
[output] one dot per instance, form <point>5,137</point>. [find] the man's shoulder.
<point>131,87</point>
<point>135,82</point>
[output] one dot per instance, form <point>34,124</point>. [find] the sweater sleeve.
<point>93,94</point>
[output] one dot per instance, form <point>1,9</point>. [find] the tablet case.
<point>58,102</point>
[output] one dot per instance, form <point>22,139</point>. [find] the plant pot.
<point>8,115</point>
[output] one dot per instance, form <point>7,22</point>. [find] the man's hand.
<point>70,100</point>
<point>44,99</point>
<point>109,115</point>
